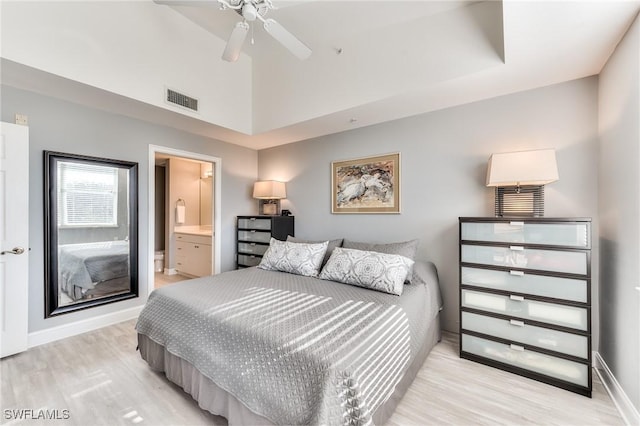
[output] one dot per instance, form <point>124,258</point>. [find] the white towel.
<point>180,214</point>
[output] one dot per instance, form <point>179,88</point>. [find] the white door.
<point>14,238</point>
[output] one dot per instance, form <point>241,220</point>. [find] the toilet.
<point>158,261</point>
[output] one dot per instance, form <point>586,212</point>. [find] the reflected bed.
<point>92,269</point>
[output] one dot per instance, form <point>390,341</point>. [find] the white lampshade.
<point>537,167</point>
<point>269,190</point>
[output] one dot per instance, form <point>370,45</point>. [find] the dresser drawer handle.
<point>516,298</point>
<point>516,323</point>
<point>516,248</point>
<point>253,218</point>
<point>517,273</point>
<point>517,347</point>
<point>516,223</point>
<point>253,244</point>
<point>253,231</point>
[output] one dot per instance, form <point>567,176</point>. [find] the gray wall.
<point>619,105</point>
<point>67,127</point>
<point>444,158</point>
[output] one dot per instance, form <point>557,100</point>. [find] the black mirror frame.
<point>51,159</point>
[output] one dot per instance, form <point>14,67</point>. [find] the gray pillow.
<point>369,269</point>
<point>406,248</point>
<point>295,258</point>
<point>332,244</point>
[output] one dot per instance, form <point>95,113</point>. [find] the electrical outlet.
<point>22,119</point>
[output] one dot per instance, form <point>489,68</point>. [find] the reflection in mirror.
<point>91,231</point>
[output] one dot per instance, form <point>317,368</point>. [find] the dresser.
<point>254,234</point>
<point>193,254</point>
<point>525,297</point>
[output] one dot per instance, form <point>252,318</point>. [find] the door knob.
<point>16,250</point>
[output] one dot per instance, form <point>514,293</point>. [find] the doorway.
<point>184,206</point>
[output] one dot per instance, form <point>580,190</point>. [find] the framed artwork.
<point>366,185</point>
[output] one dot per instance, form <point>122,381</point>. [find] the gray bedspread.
<point>296,350</point>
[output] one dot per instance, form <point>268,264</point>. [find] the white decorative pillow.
<point>295,258</point>
<point>332,244</point>
<point>405,248</point>
<point>377,271</point>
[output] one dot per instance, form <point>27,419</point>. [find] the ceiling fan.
<point>251,10</point>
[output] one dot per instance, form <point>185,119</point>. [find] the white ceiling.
<point>317,20</point>
<point>399,58</point>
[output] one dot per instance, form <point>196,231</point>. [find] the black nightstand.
<point>255,232</point>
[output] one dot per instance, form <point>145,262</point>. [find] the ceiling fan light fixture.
<point>249,12</point>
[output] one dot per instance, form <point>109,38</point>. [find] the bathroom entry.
<point>184,206</point>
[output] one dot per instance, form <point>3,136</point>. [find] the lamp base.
<point>269,207</point>
<point>520,201</point>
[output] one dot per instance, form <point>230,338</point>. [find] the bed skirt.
<point>216,400</point>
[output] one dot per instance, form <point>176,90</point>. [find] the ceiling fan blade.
<point>234,45</point>
<point>288,40</point>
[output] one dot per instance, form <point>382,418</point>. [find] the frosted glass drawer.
<point>252,248</point>
<point>255,236</point>
<point>248,260</point>
<point>255,223</point>
<point>555,234</point>
<point>518,306</point>
<point>517,331</point>
<point>551,366</point>
<point>520,282</point>
<point>573,262</point>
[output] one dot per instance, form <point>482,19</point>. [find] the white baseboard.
<point>622,402</point>
<point>170,271</point>
<point>38,338</point>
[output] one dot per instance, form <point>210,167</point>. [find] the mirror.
<point>91,231</point>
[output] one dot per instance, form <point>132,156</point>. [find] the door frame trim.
<point>217,199</point>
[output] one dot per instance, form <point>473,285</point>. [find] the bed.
<point>269,347</point>
<point>93,269</point>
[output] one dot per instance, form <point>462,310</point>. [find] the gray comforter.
<point>294,349</point>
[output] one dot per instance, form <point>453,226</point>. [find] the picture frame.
<point>366,185</point>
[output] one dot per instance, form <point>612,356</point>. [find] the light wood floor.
<point>160,279</point>
<point>101,379</point>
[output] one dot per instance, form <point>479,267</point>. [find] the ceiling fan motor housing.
<point>250,10</point>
